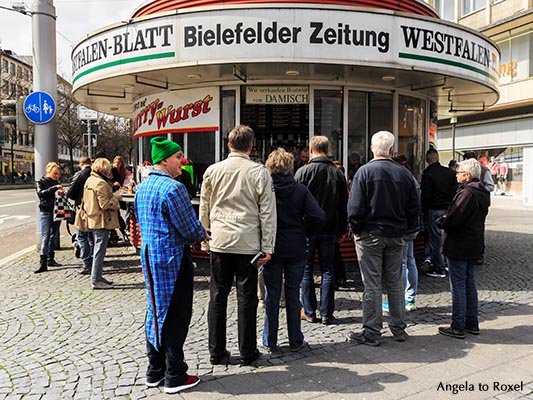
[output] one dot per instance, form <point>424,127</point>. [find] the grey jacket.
<point>238,206</point>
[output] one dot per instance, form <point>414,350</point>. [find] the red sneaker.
<point>192,380</point>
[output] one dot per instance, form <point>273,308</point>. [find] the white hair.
<point>382,142</point>
<point>470,166</point>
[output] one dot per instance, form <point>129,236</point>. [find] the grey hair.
<point>382,142</point>
<point>470,166</point>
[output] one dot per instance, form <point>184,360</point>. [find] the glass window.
<point>520,47</point>
<point>446,9</point>
<point>147,147</point>
<point>411,131</point>
<point>515,58</point>
<point>379,115</point>
<point>227,119</point>
<point>328,119</point>
<point>201,153</point>
<point>5,66</point>
<point>357,127</point>
<point>469,6</point>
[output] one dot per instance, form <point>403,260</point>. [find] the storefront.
<point>344,69</point>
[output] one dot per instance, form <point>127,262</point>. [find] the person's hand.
<point>118,194</point>
<point>262,261</point>
<point>207,236</point>
<point>117,184</point>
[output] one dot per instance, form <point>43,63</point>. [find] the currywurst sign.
<point>181,111</point>
<point>285,34</point>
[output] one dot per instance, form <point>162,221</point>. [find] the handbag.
<point>63,210</point>
<point>82,219</point>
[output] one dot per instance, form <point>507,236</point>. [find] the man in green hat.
<point>168,226</point>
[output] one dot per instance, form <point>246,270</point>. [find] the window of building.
<point>5,66</point>
<point>12,68</point>
<point>516,51</point>
<point>358,146</point>
<point>328,119</point>
<point>446,9</point>
<point>470,6</point>
<point>411,130</point>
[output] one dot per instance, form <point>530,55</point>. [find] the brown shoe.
<point>312,320</point>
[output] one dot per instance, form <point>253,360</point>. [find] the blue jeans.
<point>326,255</point>
<point>86,243</point>
<point>435,240</point>
<point>380,264</point>
<point>409,272</point>
<point>464,294</point>
<point>101,237</point>
<point>49,231</point>
<point>273,276</point>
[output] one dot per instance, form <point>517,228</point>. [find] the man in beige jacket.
<point>238,208</point>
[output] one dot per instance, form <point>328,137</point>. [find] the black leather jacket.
<point>46,191</point>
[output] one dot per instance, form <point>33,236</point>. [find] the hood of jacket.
<point>284,185</point>
<point>478,191</point>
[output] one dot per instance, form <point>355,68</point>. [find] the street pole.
<point>45,80</point>
<point>453,121</point>
<point>89,142</point>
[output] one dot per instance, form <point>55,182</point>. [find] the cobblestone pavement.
<point>59,339</point>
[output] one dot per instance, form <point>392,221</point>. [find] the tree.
<point>68,124</point>
<point>114,138</point>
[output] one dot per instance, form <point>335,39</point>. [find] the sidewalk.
<point>61,339</point>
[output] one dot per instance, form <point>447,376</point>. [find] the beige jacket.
<point>100,203</point>
<point>238,206</point>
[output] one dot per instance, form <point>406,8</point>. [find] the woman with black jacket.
<point>464,225</point>
<point>46,188</point>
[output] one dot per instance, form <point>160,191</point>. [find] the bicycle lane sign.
<point>39,107</point>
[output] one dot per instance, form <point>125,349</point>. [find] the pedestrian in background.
<point>383,208</point>
<point>46,188</point>
<point>464,224</point>
<point>102,207</point>
<point>296,210</point>
<point>238,209</point>
<point>328,186</point>
<point>438,187</point>
<point>168,227</point>
<point>75,192</point>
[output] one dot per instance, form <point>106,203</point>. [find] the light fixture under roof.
<point>388,78</point>
<point>194,76</point>
<point>113,108</point>
<point>292,72</point>
<point>448,88</point>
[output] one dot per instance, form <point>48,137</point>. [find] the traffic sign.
<point>85,113</point>
<point>39,107</point>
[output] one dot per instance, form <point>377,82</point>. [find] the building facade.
<point>504,130</point>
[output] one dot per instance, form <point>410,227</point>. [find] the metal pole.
<point>453,121</point>
<point>89,142</point>
<point>44,79</point>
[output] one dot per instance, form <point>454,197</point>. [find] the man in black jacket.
<point>328,186</point>
<point>438,187</point>
<point>383,208</point>
<point>75,192</point>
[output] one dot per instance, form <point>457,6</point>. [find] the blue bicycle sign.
<point>39,107</point>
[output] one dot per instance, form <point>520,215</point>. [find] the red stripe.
<point>408,6</point>
<point>177,130</point>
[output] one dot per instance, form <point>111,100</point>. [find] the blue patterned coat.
<point>167,223</point>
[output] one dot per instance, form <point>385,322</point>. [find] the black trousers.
<point>224,268</point>
<point>169,360</point>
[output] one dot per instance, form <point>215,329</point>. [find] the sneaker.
<point>330,321</point>
<point>220,360</point>
<point>154,382</point>
<point>385,306</point>
<point>426,266</point>
<point>300,347</point>
<point>400,336</point>
<point>85,271</point>
<point>449,331</point>
<point>410,305</point>
<point>273,352</point>
<point>192,380</point>
<point>435,274</point>
<point>305,317</point>
<point>101,285</point>
<point>360,338</point>
<point>472,331</point>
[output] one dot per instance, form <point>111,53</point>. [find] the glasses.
<point>460,172</point>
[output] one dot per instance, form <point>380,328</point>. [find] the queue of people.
<point>257,218</point>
